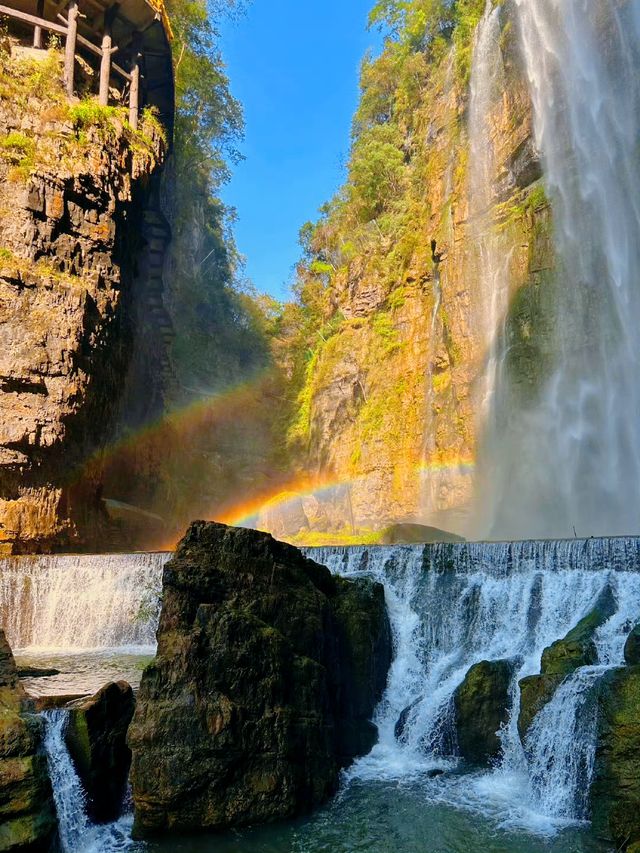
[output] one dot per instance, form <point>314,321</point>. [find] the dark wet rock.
<point>27,814</point>
<point>435,772</point>
<point>96,736</point>
<point>632,647</point>
<point>51,703</point>
<point>482,704</point>
<point>267,674</point>
<point>402,720</point>
<point>561,659</point>
<point>36,672</point>
<point>615,790</point>
<point>406,533</point>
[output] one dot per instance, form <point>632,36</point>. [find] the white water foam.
<point>81,601</point>
<point>452,606</point>
<point>77,833</point>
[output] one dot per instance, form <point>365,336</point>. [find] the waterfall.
<point>68,793</point>
<point>452,606</point>
<point>571,459</point>
<point>77,833</point>
<point>81,602</point>
<point>486,89</point>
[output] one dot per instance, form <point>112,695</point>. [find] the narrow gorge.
<point>410,617</point>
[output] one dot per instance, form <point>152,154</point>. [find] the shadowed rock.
<point>406,533</point>
<point>96,736</point>
<point>632,647</point>
<point>267,674</point>
<point>615,789</point>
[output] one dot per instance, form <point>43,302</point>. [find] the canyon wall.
<point>393,401</point>
<point>76,188</point>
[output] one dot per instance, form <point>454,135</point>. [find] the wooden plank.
<point>105,68</point>
<point>32,19</point>
<point>98,52</point>
<point>134,91</point>
<point>70,46</point>
<point>37,32</point>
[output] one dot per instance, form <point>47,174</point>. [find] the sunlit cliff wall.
<point>392,398</point>
<point>74,185</point>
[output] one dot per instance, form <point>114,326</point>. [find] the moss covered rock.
<point>27,814</point>
<point>482,704</point>
<point>632,647</point>
<point>267,673</point>
<point>615,790</point>
<point>562,658</point>
<point>96,736</point>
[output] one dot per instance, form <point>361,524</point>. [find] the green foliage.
<point>468,14</point>
<point>416,23</point>
<point>208,118</point>
<point>376,171</point>
<point>17,143</point>
<point>220,333</point>
<point>19,150</point>
<point>407,135</point>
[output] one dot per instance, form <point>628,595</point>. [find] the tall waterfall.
<point>487,86</point>
<point>452,606</point>
<point>572,459</point>
<point>81,602</point>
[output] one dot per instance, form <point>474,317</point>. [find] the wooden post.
<point>105,62</point>
<point>37,32</point>
<point>70,47</point>
<point>134,88</point>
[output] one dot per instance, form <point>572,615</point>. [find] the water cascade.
<point>571,457</point>
<point>452,606</point>
<point>487,87</point>
<point>77,833</point>
<point>81,602</point>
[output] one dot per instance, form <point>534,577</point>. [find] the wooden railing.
<point>69,29</point>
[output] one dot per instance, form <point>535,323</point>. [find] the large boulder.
<point>615,789</point>
<point>482,705</point>
<point>27,813</point>
<point>267,674</point>
<point>561,659</point>
<point>96,737</point>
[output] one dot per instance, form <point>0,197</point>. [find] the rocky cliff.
<point>267,673</point>
<point>27,814</point>
<point>74,185</point>
<point>391,401</point>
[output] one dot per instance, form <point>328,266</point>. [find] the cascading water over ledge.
<point>452,606</point>
<point>81,601</point>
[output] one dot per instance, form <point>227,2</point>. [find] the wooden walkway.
<point>138,32</point>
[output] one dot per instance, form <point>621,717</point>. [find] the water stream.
<point>450,606</point>
<point>570,458</point>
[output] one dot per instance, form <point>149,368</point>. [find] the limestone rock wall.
<point>395,391</point>
<point>72,201</point>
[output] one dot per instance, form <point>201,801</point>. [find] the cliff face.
<point>74,182</point>
<point>394,394</point>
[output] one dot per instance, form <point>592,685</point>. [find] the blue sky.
<point>294,66</point>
